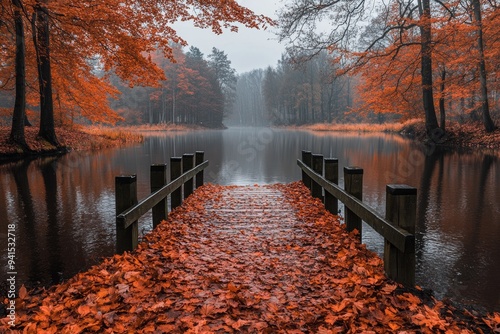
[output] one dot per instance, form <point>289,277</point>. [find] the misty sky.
<point>249,48</point>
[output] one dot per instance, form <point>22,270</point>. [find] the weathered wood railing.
<point>398,226</point>
<point>182,172</point>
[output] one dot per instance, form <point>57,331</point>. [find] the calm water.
<point>63,207</point>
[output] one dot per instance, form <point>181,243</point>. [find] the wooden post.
<point>158,177</point>
<point>187,164</point>
<point>317,166</point>
<point>175,172</point>
<point>307,160</point>
<point>401,211</point>
<point>198,161</point>
<point>353,185</point>
<point>126,197</point>
<point>332,175</point>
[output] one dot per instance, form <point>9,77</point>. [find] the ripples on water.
<point>64,207</point>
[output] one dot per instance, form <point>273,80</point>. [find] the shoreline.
<point>468,136</point>
<point>81,138</point>
<point>457,136</point>
<point>78,138</point>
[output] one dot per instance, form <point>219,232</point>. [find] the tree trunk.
<point>489,126</point>
<point>431,123</point>
<point>19,114</point>
<point>47,129</point>
<point>349,100</point>
<point>442,113</point>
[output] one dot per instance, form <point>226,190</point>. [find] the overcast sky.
<point>247,49</point>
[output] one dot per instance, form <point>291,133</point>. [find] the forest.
<point>371,61</point>
<point>109,62</point>
<point>197,91</point>
<point>67,61</point>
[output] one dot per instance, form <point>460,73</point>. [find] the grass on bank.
<point>160,127</point>
<point>111,136</point>
<point>362,127</point>
<point>458,135</point>
<point>74,138</point>
<point>84,137</point>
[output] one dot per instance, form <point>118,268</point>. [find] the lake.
<point>63,207</point>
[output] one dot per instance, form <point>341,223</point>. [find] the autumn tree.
<point>474,52</point>
<point>190,93</point>
<point>207,102</point>
<point>170,92</point>
<point>407,44</point>
<point>41,38</point>
<point>425,26</point>
<point>390,70</point>
<point>19,113</point>
<point>299,24</point>
<point>121,35</point>
<point>390,80</point>
<point>487,121</point>
<point>7,57</point>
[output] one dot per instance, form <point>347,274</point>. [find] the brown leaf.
<point>23,293</point>
<point>240,323</point>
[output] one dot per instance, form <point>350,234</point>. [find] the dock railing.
<point>183,171</point>
<point>398,226</point>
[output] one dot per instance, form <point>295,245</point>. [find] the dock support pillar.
<point>175,172</point>
<point>126,197</point>
<point>187,164</point>
<point>307,160</point>
<point>401,211</point>
<point>158,179</point>
<point>353,185</point>
<point>199,156</point>
<point>317,166</point>
<point>332,175</point>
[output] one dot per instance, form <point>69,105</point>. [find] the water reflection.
<point>44,198</point>
<point>25,205</point>
<point>64,207</point>
<point>459,227</point>
<point>48,171</point>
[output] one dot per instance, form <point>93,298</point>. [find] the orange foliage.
<point>92,36</point>
<point>391,70</point>
<point>208,270</point>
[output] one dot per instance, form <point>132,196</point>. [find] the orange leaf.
<point>240,323</point>
<point>207,310</point>
<point>231,287</point>
<point>341,306</point>
<point>23,293</point>
<point>388,288</point>
<point>83,310</point>
<point>330,319</point>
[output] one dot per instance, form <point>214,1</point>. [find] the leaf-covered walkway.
<point>264,259</point>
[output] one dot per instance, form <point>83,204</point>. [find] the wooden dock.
<point>253,259</point>
<point>319,174</point>
<point>240,209</point>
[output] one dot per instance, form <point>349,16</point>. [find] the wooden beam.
<point>126,218</point>
<point>397,236</point>
<point>353,185</point>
